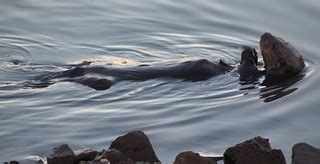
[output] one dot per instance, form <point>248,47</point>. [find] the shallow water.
<point>207,116</point>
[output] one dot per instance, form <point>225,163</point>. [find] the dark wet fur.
<point>190,71</point>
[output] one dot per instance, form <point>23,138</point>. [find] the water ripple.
<point>14,55</point>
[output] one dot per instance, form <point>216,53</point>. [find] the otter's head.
<point>280,57</point>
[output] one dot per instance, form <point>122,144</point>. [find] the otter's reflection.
<point>278,88</point>
<point>271,88</point>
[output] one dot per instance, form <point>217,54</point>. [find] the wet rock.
<point>98,159</point>
<point>85,155</point>
<point>190,157</point>
<point>112,156</point>
<point>136,146</point>
<point>280,57</point>
<point>62,155</point>
<point>116,157</point>
<point>253,151</point>
<point>95,162</point>
<point>303,153</point>
<point>99,155</point>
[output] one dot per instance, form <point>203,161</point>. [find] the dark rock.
<point>98,159</point>
<point>303,153</point>
<point>136,146</point>
<point>190,157</point>
<point>99,155</point>
<point>62,155</point>
<point>280,57</point>
<point>116,157</point>
<point>94,162</point>
<point>253,151</point>
<point>85,155</point>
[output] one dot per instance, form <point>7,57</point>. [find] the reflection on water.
<point>271,88</point>
<point>274,89</point>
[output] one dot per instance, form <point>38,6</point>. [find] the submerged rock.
<point>136,146</point>
<point>303,153</point>
<point>190,157</point>
<point>280,57</point>
<point>62,154</point>
<point>253,151</point>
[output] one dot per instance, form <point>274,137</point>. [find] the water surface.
<point>39,37</point>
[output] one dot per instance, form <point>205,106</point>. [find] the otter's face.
<point>249,56</point>
<point>280,57</point>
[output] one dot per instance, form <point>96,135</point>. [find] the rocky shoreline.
<point>135,148</point>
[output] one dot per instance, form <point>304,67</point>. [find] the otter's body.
<point>100,77</point>
<point>189,70</point>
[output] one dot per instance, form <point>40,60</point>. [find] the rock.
<point>136,146</point>
<point>303,153</point>
<point>280,57</point>
<point>62,155</point>
<point>100,155</point>
<point>190,157</point>
<point>94,162</point>
<point>98,159</point>
<point>253,151</point>
<point>116,157</point>
<point>113,156</point>
<point>85,155</point>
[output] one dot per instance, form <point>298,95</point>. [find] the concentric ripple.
<point>13,55</point>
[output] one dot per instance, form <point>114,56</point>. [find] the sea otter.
<point>281,60</point>
<point>101,78</point>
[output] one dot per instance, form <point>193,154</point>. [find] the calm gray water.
<point>206,116</point>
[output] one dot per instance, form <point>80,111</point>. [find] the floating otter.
<point>280,57</point>
<point>101,78</point>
